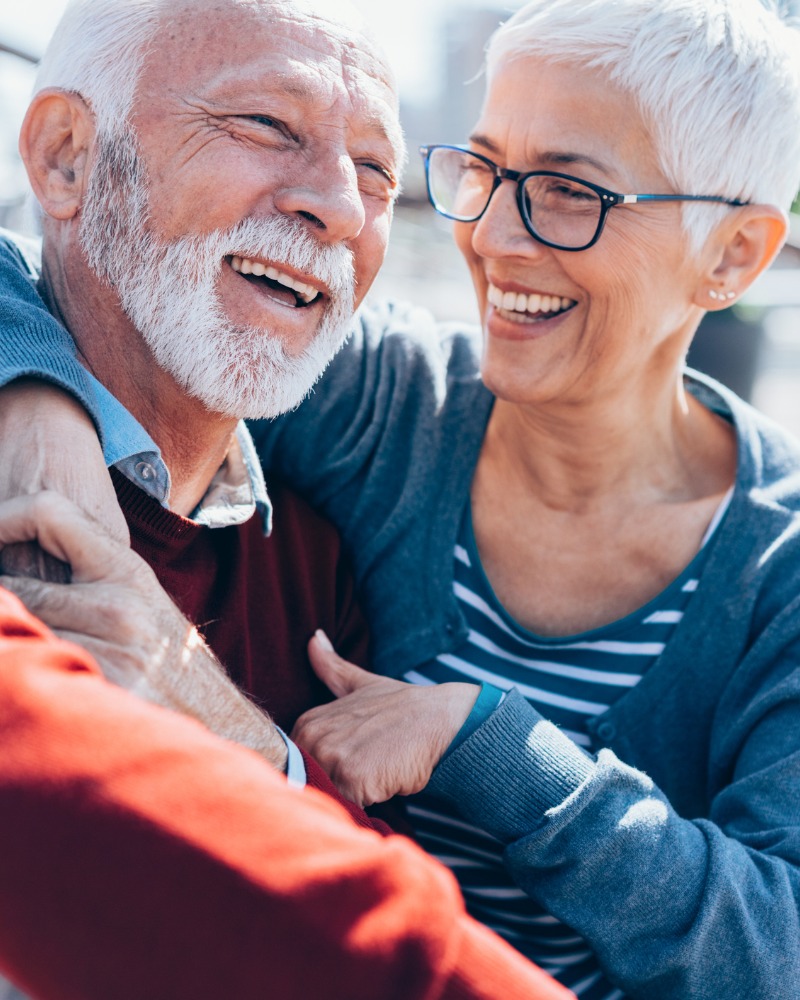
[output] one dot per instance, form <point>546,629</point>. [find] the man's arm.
<point>116,609</point>
<point>142,857</point>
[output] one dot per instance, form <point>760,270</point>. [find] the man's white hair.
<point>99,46</point>
<point>716,81</point>
<point>97,50</point>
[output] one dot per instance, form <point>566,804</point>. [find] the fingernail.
<point>323,640</point>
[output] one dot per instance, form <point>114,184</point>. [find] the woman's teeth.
<point>517,302</point>
<point>307,293</point>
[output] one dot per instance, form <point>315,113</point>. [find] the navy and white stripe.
<point>569,680</point>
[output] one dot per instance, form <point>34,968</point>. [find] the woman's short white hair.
<point>716,81</point>
<point>97,51</point>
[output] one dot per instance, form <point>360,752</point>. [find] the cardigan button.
<point>606,731</point>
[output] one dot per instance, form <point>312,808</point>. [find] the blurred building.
<point>16,82</point>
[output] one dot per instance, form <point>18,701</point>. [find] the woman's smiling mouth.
<point>521,308</point>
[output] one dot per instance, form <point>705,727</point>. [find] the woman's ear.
<point>746,244</point>
<point>54,143</point>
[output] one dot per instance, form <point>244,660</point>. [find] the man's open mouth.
<point>277,281</point>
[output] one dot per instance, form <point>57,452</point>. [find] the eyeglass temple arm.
<point>632,199</point>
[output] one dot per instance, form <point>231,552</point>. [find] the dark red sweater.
<point>258,600</point>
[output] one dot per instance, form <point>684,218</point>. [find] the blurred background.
<point>436,47</point>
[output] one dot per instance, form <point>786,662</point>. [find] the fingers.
<point>29,559</point>
<point>340,676</point>
<point>90,610</point>
<point>63,530</point>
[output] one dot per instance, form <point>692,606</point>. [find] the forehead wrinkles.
<point>234,47</point>
<point>535,108</point>
<point>204,36</point>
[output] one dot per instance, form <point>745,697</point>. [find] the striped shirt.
<point>569,680</point>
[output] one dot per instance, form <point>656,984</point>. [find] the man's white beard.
<point>168,291</point>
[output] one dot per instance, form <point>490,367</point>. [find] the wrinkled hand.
<point>382,737</point>
<point>116,609</point>
<point>48,441</point>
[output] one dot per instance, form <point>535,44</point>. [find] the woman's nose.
<point>500,231</point>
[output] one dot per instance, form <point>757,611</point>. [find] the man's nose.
<point>327,196</point>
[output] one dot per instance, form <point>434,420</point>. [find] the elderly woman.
<point>559,513</point>
<point>607,539</point>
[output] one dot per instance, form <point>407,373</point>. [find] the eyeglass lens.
<point>558,210</point>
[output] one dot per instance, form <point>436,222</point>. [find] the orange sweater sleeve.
<point>140,856</point>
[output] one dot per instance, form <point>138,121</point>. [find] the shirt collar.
<point>236,492</point>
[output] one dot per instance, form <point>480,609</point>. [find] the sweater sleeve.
<point>673,906</point>
<point>358,426</point>
<point>32,342</point>
<point>142,857</point>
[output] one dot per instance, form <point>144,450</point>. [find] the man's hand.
<point>49,442</point>
<point>382,737</point>
<point>116,609</point>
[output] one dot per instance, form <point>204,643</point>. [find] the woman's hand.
<point>382,737</point>
<point>49,442</point>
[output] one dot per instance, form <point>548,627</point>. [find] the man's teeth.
<point>520,303</point>
<point>246,266</point>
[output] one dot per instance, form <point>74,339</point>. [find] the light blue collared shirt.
<point>235,493</point>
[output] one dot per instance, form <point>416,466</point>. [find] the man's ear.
<point>54,143</point>
<point>746,244</point>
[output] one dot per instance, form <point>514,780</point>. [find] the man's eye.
<point>264,120</point>
<point>376,180</point>
<point>378,169</point>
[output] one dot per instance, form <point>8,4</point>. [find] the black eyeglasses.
<point>561,211</point>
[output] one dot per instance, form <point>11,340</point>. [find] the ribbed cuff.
<point>511,770</point>
<point>489,697</point>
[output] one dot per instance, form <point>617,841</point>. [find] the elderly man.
<point>216,192</point>
<point>216,201</point>
<point>217,183</point>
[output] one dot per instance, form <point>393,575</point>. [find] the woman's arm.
<point>32,342</point>
<point>673,906</point>
<point>366,434</point>
<point>49,413</point>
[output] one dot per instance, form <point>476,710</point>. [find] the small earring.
<point>713,293</point>
<point>730,295</point>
